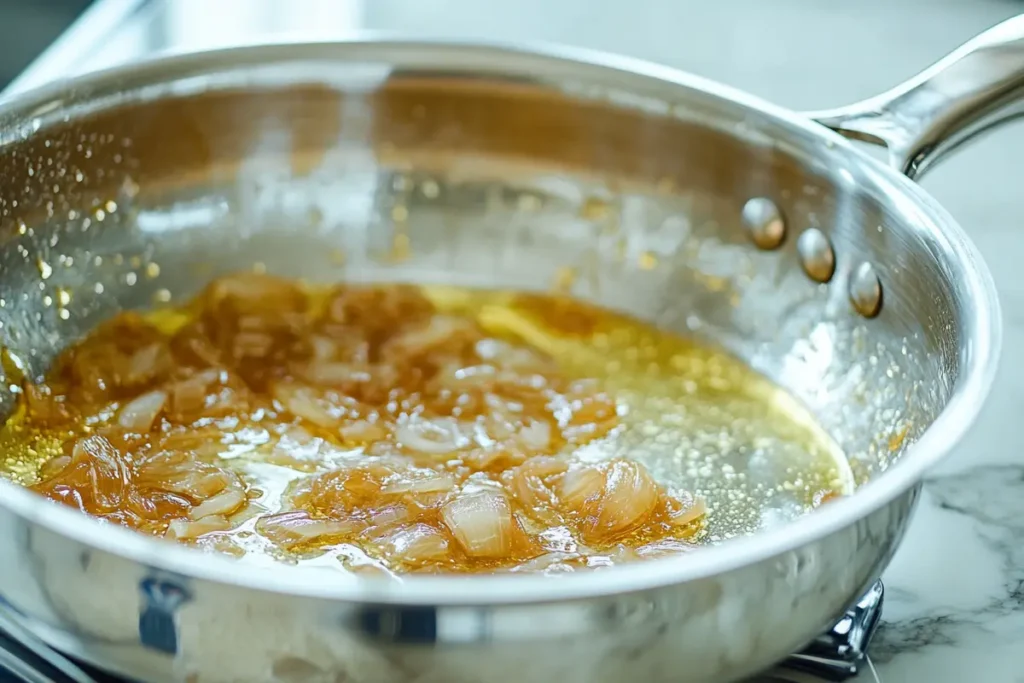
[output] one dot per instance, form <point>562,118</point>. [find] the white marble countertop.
<point>955,592</point>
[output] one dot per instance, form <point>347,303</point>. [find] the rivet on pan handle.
<point>976,87</point>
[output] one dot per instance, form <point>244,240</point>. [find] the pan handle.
<point>978,86</point>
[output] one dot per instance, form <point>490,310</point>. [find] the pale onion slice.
<point>434,437</point>
<point>303,403</point>
<point>54,466</point>
<point>188,397</point>
<point>225,503</point>
<point>139,414</point>
<point>247,292</point>
<point>440,329</point>
<point>417,544</point>
<point>508,356</point>
<point>185,529</point>
<point>144,364</point>
<point>324,348</point>
<point>334,372</point>
<point>458,377</point>
<point>292,529</point>
<point>481,523</point>
<point>422,481</point>
<point>536,435</point>
<point>363,432</point>
<point>686,512</point>
<point>544,466</point>
<point>388,517</point>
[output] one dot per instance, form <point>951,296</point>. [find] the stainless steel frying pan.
<point>772,235</point>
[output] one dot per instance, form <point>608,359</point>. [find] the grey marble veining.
<point>955,592</point>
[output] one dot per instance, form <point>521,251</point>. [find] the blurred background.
<point>800,53</point>
<point>27,27</point>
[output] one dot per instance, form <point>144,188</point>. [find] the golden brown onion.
<point>481,523</point>
<point>609,499</point>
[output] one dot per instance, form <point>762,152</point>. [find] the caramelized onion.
<point>481,523</point>
<point>528,484</point>
<point>53,467</point>
<point>610,499</point>
<point>180,474</point>
<point>428,444</point>
<point>97,478</point>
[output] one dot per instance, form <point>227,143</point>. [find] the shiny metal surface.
<point>816,255</point>
<point>838,655</point>
<point>973,89</point>
<point>285,154</point>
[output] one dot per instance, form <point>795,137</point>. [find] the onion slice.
<point>434,437</point>
<point>226,503</point>
<point>417,544</point>
<point>139,414</point>
<point>292,529</point>
<point>184,529</point>
<point>481,523</point>
<point>610,499</point>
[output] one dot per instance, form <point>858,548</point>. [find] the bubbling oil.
<point>239,430</point>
